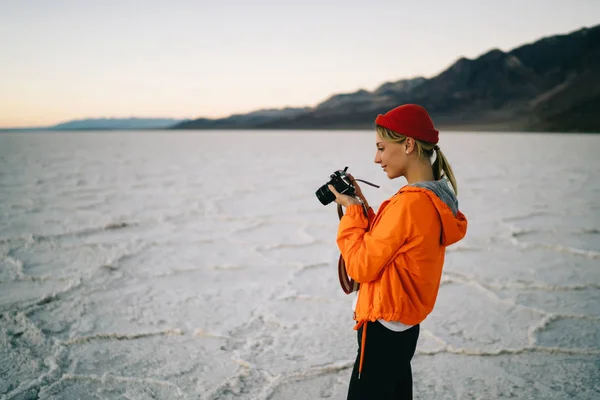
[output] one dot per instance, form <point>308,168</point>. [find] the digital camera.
<point>341,182</point>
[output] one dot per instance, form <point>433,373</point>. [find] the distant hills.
<point>117,123</point>
<point>550,85</point>
<point>252,119</point>
<point>103,124</point>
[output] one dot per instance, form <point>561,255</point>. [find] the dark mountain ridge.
<point>552,84</point>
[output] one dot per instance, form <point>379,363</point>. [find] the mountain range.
<point>552,84</point>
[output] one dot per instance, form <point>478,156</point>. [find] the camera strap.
<point>348,284</point>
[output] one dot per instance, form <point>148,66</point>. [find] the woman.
<point>397,255</point>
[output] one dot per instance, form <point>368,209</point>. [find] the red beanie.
<point>409,120</point>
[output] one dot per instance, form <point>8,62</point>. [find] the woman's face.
<point>391,156</point>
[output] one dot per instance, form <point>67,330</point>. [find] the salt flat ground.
<point>200,265</point>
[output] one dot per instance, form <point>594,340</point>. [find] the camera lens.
<point>324,194</point>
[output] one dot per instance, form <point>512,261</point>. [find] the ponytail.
<point>441,168</point>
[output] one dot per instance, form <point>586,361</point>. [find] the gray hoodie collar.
<point>441,188</point>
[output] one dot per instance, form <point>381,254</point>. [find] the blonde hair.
<point>441,167</point>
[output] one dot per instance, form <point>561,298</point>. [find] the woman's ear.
<point>409,145</point>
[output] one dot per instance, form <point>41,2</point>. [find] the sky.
<point>71,59</point>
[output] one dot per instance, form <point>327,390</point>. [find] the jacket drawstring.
<point>358,325</point>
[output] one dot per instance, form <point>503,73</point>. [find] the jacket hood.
<point>454,223</point>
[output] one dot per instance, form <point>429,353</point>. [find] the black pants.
<point>386,372</point>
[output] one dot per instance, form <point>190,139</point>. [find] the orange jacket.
<point>398,261</point>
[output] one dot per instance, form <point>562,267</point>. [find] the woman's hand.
<point>343,199</point>
<point>358,191</point>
